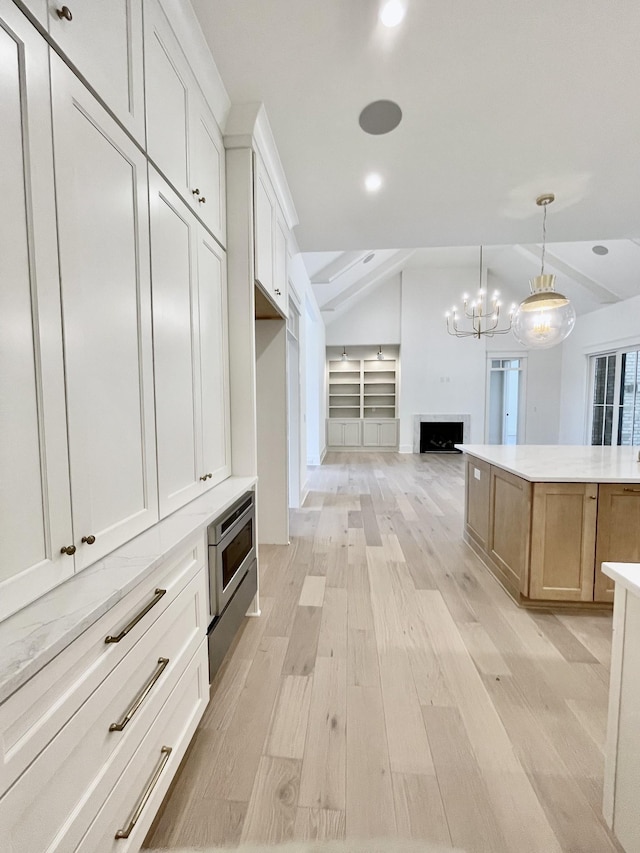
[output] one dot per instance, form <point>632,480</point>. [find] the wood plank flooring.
<point>392,689</point>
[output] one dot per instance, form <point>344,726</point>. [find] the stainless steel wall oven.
<point>232,574</point>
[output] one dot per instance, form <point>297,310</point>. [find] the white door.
<point>104,41</point>
<point>293,405</point>
<point>35,506</point>
<point>167,85</point>
<point>101,187</point>
<point>214,359</point>
<point>176,356</point>
<point>208,168</point>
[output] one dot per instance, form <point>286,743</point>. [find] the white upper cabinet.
<point>175,318</point>
<point>270,239</point>
<point>103,237</point>
<point>35,508</point>
<point>214,359</point>
<point>190,350</point>
<point>104,42</point>
<point>183,138</point>
<point>208,168</point>
<point>39,10</point>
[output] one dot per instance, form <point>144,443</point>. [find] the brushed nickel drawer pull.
<point>628,489</point>
<point>142,802</point>
<point>156,598</point>
<point>142,695</point>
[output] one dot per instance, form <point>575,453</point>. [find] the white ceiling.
<point>502,101</point>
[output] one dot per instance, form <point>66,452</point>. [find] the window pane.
<point>611,374</point>
<point>596,426</point>
<point>600,380</point>
<point>608,424</point>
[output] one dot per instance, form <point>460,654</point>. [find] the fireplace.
<point>441,436</point>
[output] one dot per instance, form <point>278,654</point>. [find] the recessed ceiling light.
<point>373,182</point>
<point>599,250</point>
<point>369,257</point>
<point>380,117</point>
<point>392,13</point>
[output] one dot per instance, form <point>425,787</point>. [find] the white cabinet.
<point>104,42</point>
<point>270,239</point>
<point>85,726</point>
<point>189,325</point>
<point>214,359</point>
<point>37,8</point>
<point>183,139</point>
<point>103,237</point>
<point>343,433</point>
<point>35,506</point>
<point>379,433</point>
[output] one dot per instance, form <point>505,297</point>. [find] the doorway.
<point>505,387</point>
<point>293,394</point>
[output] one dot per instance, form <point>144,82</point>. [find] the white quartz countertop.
<point>36,634</point>
<point>567,463</point>
<point>626,574</point>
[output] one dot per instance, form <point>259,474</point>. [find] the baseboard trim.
<point>406,448</point>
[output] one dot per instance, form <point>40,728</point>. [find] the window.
<point>615,409</point>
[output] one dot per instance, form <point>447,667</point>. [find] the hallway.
<point>391,688</point>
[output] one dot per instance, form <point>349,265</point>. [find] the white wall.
<point>439,374</point>
<point>608,328</point>
<point>374,319</point>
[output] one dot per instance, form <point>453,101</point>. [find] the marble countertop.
<point>36,634</point>
<point>552,463</point>
<point>627,574</point>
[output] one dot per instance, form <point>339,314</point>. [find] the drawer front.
<point>53,802</point>
<point>33,715</point>
<point>150,770</point>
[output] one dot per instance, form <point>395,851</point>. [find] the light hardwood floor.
<point>392,689</point>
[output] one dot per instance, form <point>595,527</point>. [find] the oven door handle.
<point>239,522</point>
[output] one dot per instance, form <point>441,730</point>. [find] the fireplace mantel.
<point>440,418</point>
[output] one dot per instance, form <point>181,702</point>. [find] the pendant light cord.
<point>544,235</point>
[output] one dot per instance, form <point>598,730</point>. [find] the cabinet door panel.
<point>509,528</point>
<point>563,538</point>
<point>477,499</point>
<point>335,433</point>
<point>280,281</point>
<point>371,434</point>
<point>104,257</point>
<point>167,83</point>
<point>173,268</point>
<point>388,434</point>
<point>352,434</point>
<point>618,532</point>
<point>264,228</point>
<point>35,508</point>
<point>214,363</point>
<point>208,169</point>
<point>104,42</point>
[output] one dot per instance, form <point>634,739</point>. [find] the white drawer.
<point>150,770</point>
<point>53,803</point>
<point>34,714</point>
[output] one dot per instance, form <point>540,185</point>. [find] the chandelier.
<point>545,318</point>
<point>480,316</point>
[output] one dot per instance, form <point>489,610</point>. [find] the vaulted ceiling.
<point>502,100</point>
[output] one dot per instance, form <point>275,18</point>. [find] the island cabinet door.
<point>509,529</point>
<point>563,541</point>
<point>618,539</point>
<point>476,510</point>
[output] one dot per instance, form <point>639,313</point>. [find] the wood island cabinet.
<point>546,542</point>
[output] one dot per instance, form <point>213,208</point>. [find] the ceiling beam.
<point>392,265</point>
<point>601,293</point>
<point>338,267</point>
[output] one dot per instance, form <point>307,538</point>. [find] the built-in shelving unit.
<point>362,399</point>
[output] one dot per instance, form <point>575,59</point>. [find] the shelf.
<point>378,394</point>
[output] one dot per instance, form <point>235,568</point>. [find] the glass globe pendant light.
<point>545,318</point>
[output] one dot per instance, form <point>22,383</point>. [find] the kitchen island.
<point>544,518</point>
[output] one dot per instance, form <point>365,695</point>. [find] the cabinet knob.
<point>196,191</point>
<point>202,200</point>
<point>592,497</point>
<point>209,476</point>
<point>64,13</point>
<point>204,477</point>
<point>89,540</point>
<point>277,292</point>
<point>70,550</point>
